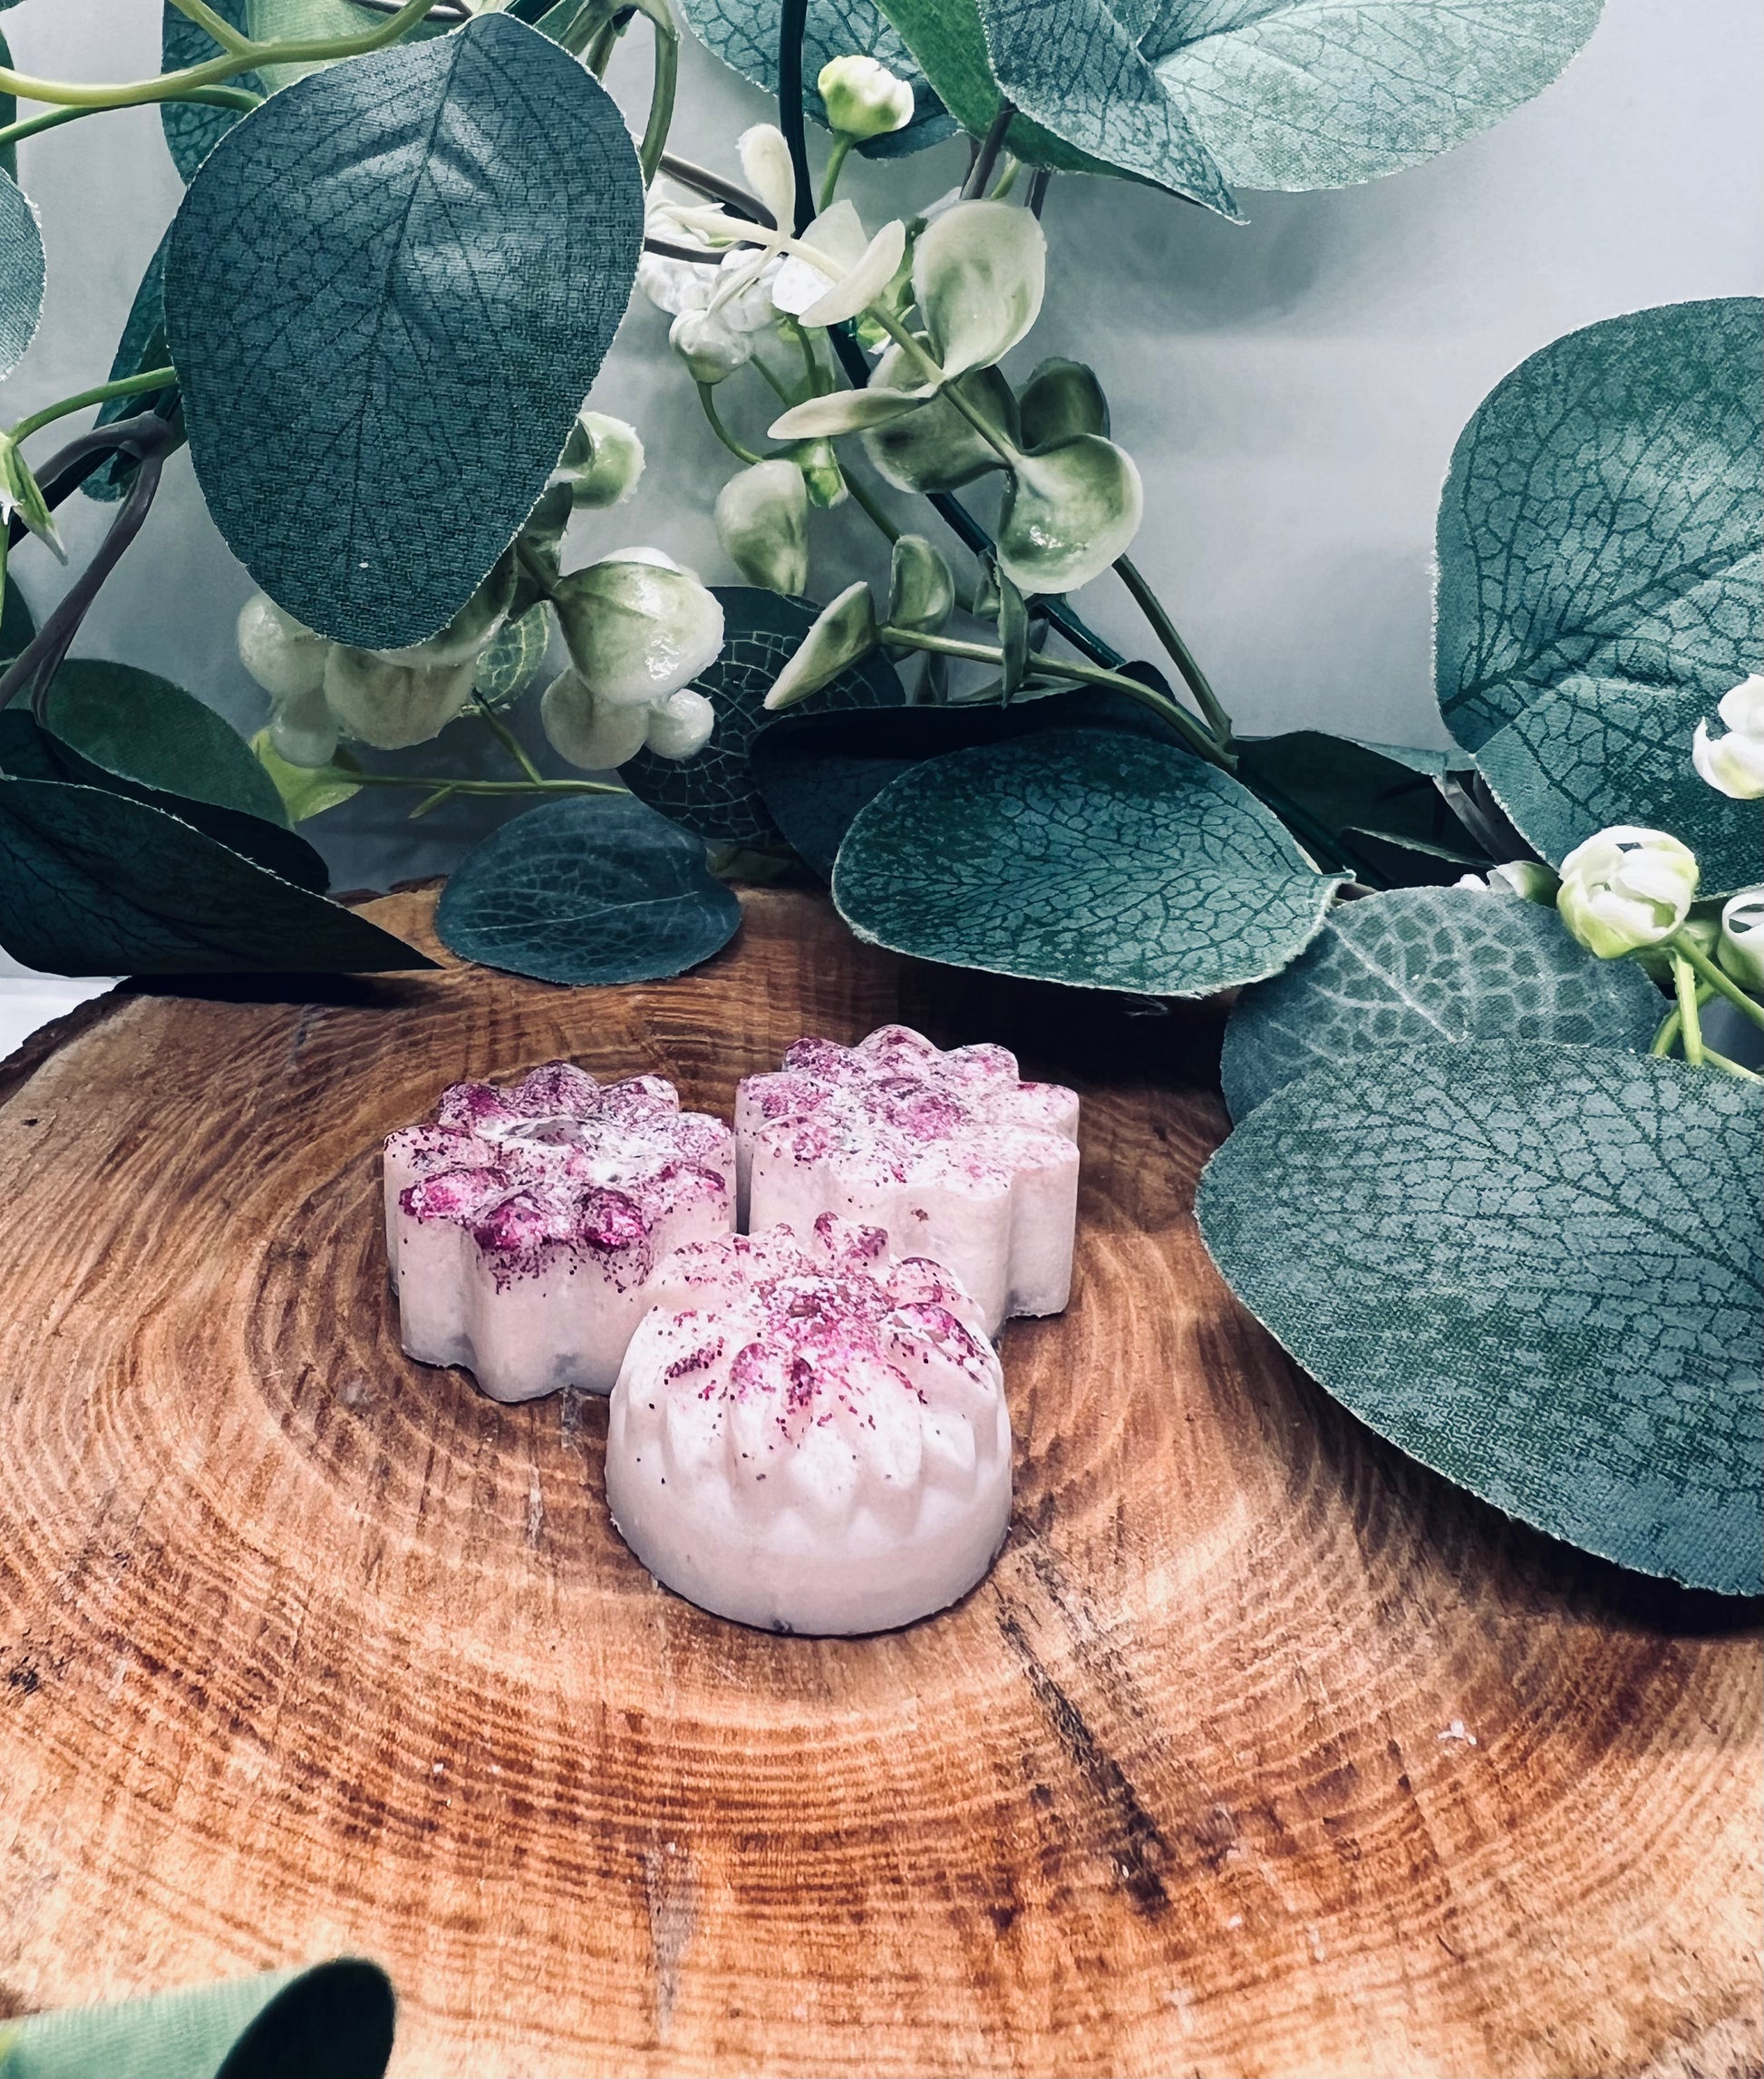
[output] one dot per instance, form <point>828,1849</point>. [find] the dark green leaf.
<point>21,275</point>
<point>139,725</point>
<point>1422,965</point>
<point>142,346</point>
<point>8,109</point>
<point>814,770</point>
<point>343,269</point>
<point>271,844</point>
<point>744,34</point>
<point>585,889</point>
<point>1532,1267</point>
<point>17,623</point>
<point>1598,546</point>
<point>192,130</point>
<point>94,882</point>
<point>1336,792</point>
<point>1085,856</point>
<point>714,793</point>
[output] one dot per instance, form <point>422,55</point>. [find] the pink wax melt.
<point>523,1224</point>
<point>952,1154</point>
<point>808,1436</point>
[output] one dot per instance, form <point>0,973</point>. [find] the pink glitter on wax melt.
<point>523,1224</point>
<point>957,1157</point>
<point>806,1437</point>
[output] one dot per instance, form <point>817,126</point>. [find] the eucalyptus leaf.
<point>714,793</point>
<point>191,130</point>
<point>306,790</point>
<point>1532,1267</point>
<point>397,223</point>
<point>744,34</point>
<point>8,110</point>
<point>80,747</point>
<point>21,273</point>
<point>94,882</point>
<point>142,346</point>
<point>815,770</point>
<point>587,889</point>
<point>1598,545</point>
<point>1085,856</point>
<point>1422,965</point>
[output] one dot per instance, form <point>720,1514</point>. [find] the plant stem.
<point>471,786</point>
<point>213,24</point>
<point>867,506</point>
<point>707,397</point>
<point>1191,732</point>
<point>995,437</point>
<point>240,98</point>
<point>660,93</point>
<point>1710,1059</point>
<point>981,172</point>
<point>1685,983</point>
<point>129,386</point>
<point>829,181</point>
<point>792,24</point>
<point>1666,1038</point>
<point>505,736</point>
<point>214,72</point>
<point>1007,180</point>
<point>717,189</point>
<point>1707,971</point>
<point>1166,632</point>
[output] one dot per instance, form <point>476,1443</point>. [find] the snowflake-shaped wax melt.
<point>957,1157</point>
<point>808,1436</point>
<point>524,1223</point>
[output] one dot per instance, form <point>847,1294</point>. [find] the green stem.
<point>214,72</point>
<point>812,366</point>
<point>100,393</point>
<point>505,737</point>
<point>215,25</point>
<point>707,397</point>
<point>1685,983</point>
<point>1666,1038</point>
<point>1710,1059</point>
<point>1179,719</point>
<point>543,580</point>
<point>471,786</point>
<point>829,181</point>
<point>240,98</point>
<point>662,91</point>
<point>429,801</point>
<point>1707,971</point>
<point>1007,180</point>
<point>779,388</point>
<point>1166,630</point>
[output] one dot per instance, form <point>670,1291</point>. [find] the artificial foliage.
<point>1489,1177</point>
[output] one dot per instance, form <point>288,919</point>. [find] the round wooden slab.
<point>1261,1752</point>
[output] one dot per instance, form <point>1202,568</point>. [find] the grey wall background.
<point>1291,390</point>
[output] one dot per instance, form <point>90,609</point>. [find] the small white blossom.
<point>1734,765</point>
<point>1626,889</point>
<point>863,98</point>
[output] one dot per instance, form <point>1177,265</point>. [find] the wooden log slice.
<point>1261,1752</point>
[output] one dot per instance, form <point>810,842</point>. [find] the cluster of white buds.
<point>1627,889</point>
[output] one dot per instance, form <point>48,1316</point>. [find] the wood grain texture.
<point>1262,1751</point>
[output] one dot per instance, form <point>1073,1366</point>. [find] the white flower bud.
<point>845,632</point>
<point>762,523</point>
<point>393,706</point>
<point>1734,765</point>
<point>1741,948</point>
<point>863,98</point>
<point>638,626</point>
<point>301,728</point>
<point>712,350</point>
<point>1626,889</point>
<point>283,655</point>
<point>921,586</point>
<point>588,733</point>
<point>681,724</point>
<point>603,460</point>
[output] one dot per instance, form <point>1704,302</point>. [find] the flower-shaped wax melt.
<point>806,1437</point>
<point>524,1223</point>
<point>952,1154</point>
